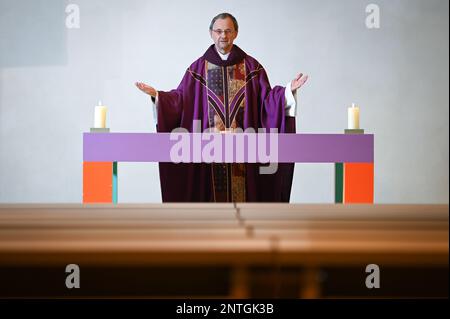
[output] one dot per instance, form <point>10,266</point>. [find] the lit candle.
<point>353,117</point>
<point>100,116</point>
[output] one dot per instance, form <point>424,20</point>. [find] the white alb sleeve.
<point>290,100</point>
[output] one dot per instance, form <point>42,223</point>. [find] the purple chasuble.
<point>224,96</point>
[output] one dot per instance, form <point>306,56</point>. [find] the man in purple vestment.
<point>226,90</point>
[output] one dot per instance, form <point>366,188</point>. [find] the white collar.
<point>224,57</point>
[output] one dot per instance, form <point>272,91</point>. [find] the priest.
<point>226,90</point>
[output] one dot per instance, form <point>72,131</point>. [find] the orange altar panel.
<point>97,182</point>
<point>358,182</point>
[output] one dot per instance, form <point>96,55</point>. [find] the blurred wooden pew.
<point>237,236</point>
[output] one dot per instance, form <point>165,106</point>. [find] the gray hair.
<point>224,16</point>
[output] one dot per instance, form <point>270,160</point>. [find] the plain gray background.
<point>51,77</point>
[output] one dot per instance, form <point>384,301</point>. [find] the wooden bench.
<point>238,237</point>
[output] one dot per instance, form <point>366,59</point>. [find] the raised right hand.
<point>146,89</point>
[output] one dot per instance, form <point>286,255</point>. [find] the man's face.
<point>223,35</point>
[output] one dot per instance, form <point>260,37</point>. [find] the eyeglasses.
<point>225,32</point>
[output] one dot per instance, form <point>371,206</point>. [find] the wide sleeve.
<point>272,103</point>
<point>170,106</point>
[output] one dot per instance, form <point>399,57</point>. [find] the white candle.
<point>100,116</point>
<point>353,117</point>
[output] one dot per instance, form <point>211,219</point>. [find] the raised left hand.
<point>299,80</point>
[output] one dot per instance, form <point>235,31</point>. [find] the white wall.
<point>51,77</point>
